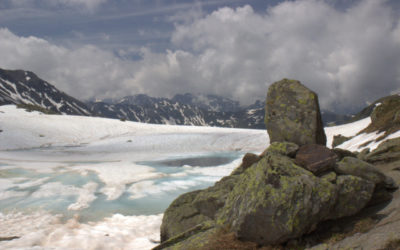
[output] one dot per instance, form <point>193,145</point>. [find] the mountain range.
<point>24,87</point>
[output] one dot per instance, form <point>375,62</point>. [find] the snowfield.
<point>73,182</point>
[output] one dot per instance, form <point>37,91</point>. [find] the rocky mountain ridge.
<point>24,87</point>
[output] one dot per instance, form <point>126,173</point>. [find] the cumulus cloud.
<point>83,72</point>
<point>347,56</point>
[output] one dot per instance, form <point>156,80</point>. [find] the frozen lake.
<point>93,183</point>
<point>78,187</point>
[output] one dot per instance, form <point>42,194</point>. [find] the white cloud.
<point>347,56</point>
<point>82,72</point>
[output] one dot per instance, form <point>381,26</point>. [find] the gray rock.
<point>275,201</point>
<point>339,139</point>
<point>292,114</point>
<point>354,193</point>
<point>248,160</point>
<point>329,176</point>
<point>193,208</point>
<point>357,167</point>
<point>387,151</point>
<point>284,148</point>
<point>363,154</point>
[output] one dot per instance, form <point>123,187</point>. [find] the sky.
<point>347,51</point>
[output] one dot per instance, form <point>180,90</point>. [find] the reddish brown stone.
<point>315,158</point>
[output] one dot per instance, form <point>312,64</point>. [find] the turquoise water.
<point>57,190</point>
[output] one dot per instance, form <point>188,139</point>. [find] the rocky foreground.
<point>297,193</point>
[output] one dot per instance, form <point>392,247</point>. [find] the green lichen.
<point>274,183</point>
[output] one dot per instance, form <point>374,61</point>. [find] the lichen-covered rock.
<point>276,200</point>
<point>193,208</point>
<point>354,193</point>
<point>339,139</point>
<point>329,176</point>
<point>248,160</point>
<point>194,238</point>
<point>200,240</point>
<point>284,148</point>
<point>316,158</point>
<point>385,116</point>
<point>357,167</point>
<point>180,216</point>
<point>292,114</point>
<point>387,151</point>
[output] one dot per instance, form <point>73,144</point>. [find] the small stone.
<point>363,154</point>
<point>315,158</point>
<point>339,139</point>
<point>341,153</point>
<point>248,160</point>
<point>284,148</point>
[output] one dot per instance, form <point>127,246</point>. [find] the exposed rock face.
<point>276,200</point>
<point>194,208</point>
<point>316,158</point>
<point>292,114</point>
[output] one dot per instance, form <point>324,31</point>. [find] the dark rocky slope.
<point>24,87</point>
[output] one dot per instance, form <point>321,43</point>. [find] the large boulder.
<point>276,200</point>
<point>357,167</point>
<point>316,158</point>
<point>292,114</point>
<point>354,193</point>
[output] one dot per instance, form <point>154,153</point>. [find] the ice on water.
<point>93,183</point>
